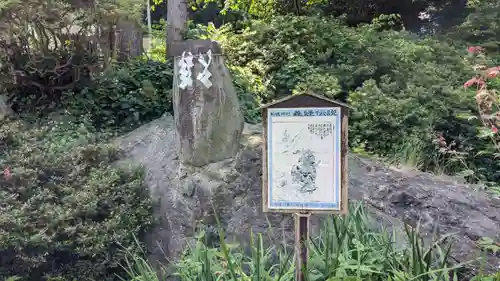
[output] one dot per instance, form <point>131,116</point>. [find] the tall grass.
<point>411,153</point>
<point>350,248</point>
<point>138,268</point>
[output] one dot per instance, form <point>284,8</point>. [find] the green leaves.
<point>488,244</point>
<point>404,89</point>
<point>66,207</point>
<point>126,96</point>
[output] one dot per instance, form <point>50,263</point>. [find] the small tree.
<point>49,47</point>
<point>487,100</point>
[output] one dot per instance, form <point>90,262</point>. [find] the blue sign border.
<point>305,112</point>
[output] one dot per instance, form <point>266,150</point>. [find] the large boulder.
<point>187,196</point>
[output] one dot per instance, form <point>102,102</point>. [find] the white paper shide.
<point>204,76</point>
<point>185,66</point>
<point>185,70</point>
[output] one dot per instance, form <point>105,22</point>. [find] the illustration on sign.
<point>304,158</point>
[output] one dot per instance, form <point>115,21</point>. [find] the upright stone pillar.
<point>207,113</point>
<point>128,40</point>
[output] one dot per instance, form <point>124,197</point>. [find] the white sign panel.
<point>304,163</point>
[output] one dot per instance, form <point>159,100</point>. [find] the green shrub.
<point>419,100</point>
<point>158,51</point>
<point>248,88</point>
<point>406,90</point>
<point>65,210</point>
<point>126,95</point>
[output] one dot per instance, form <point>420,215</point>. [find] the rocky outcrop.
<point>439,204</point>
<point>188,195</point>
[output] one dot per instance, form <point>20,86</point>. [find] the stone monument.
<point>207,113</point>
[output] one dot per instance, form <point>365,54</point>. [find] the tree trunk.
<point>297,8</point>
<point>177,18</point>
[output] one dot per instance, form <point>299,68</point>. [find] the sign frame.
<point>302,101</point>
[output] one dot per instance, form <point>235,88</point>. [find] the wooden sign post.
<point>301,250</point>
<point>305,162</point>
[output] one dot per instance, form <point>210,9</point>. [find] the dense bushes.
<point>65,212</point>
<point>48,48</point>
<point>406,91</point>
<point>125,96</point>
